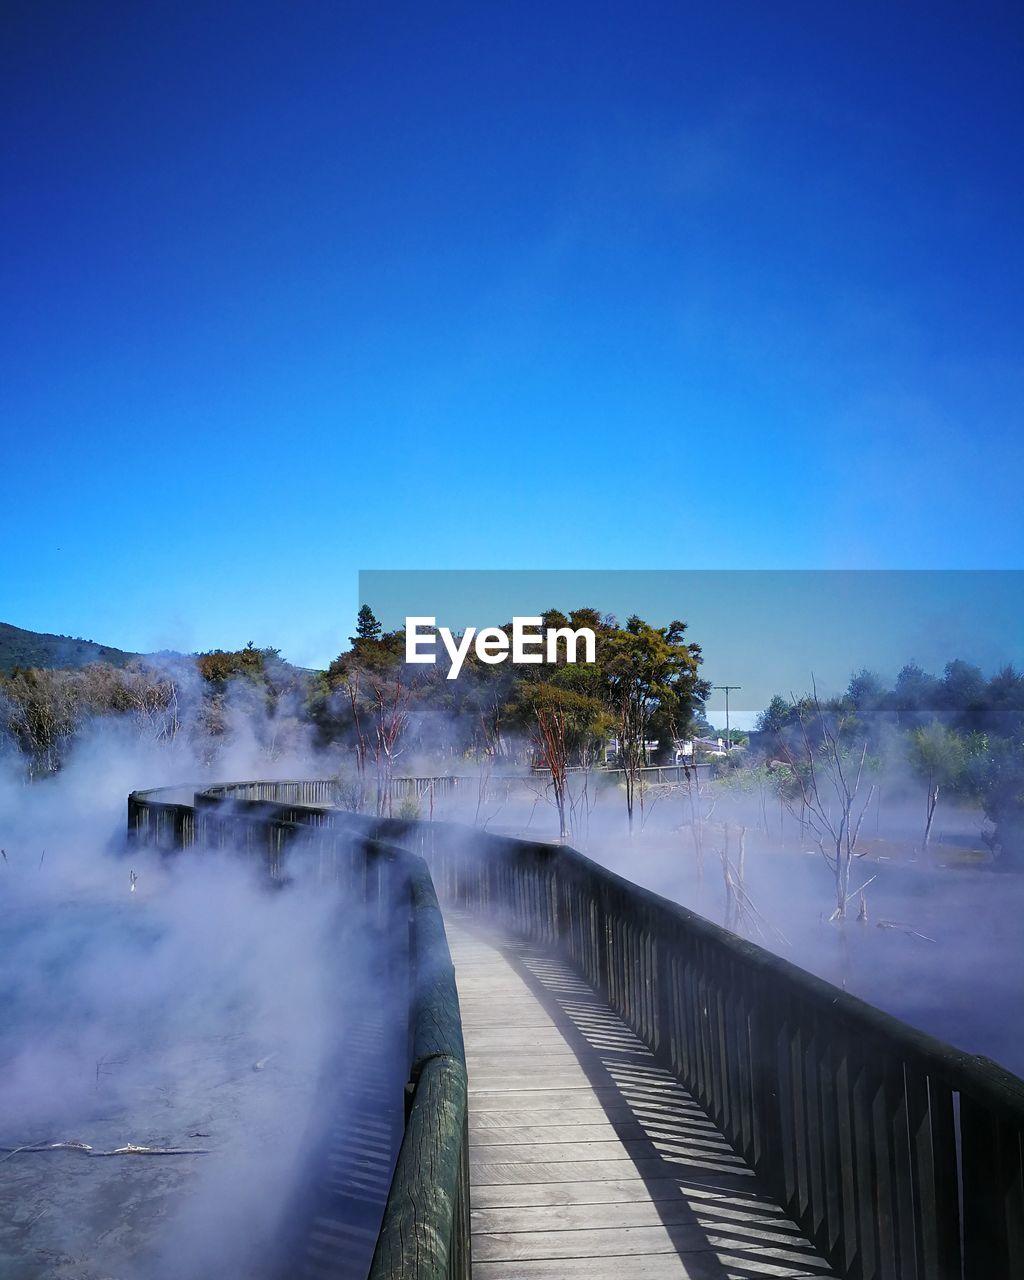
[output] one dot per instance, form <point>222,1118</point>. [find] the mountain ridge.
<point>22,648</point>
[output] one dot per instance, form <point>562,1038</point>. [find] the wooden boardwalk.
<point>587,1159</point>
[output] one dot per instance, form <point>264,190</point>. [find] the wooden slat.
<point>587,1158</point>
<point>595,1242</point>
<point>704,1265</point>
<point>636,1213</point>
<point>622,1191</point>
<point>627,1131</point>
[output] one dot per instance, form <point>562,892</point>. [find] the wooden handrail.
<point>898,1156</point>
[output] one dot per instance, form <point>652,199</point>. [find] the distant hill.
<point>20,648</point>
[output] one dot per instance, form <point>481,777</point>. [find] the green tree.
<point>865,693</point>
<point>1004,803</point>
<point>963,695</point>
<point>915,697</point>
<point>647,669</point>
<point>219,665</point>
<point>1005,698</point>
<point>938,756</point>
<point>565,725</point>
<point>367,626</point>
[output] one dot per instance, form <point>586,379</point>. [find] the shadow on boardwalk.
<point>588,1159</point>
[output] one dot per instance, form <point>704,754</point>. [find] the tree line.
<point>370,711</point>
<point>196,701</point>
<point>959,736</point>
<point>369,715</point>
<point>645,684</point>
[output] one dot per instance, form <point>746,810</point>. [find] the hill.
<point>19,648</point>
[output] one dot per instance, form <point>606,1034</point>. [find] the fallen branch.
<point>904,928</point>
<point>129,1149</point>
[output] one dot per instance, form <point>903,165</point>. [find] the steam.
<point>170,1004</point>
<point>933,949</point>
<point>191,1008</point>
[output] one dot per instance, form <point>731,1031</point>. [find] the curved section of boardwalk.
<point>587,1159</point>
<point>898,1155</point>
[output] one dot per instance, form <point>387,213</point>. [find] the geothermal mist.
<point>198,1010</point>
<point>139,1017</point>
<point>960,981</point>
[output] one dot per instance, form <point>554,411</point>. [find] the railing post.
<point>604,982</point>
<point>992,1194</point>
<point>661,972</point>
<point>562,924</point>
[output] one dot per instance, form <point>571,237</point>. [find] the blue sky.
<point>296,290</point>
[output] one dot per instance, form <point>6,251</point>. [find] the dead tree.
<point>552,739</point>
<point>391,698</point>
<point>702,806</point>
<point>741,915</point>
<point>353,683</point>
<point>566,726</point>
<point>829,780</point>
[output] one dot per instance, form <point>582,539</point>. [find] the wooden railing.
<point>330,792</point>
<point>424,1232</point>
<point>898,1156</point>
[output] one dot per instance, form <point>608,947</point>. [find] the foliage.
<point>961,734</point>
<point>203,699</point>
<point>1004,803</point>
<point>219,666</point>
<point>775,718</point>
<point>649,673</point>
<point>644,681</point>
<point>367,626</point>
<point>939,756</point>
<point>566,725</point>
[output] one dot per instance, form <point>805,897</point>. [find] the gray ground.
<point>127,1020</point>
<point>68,1215</point>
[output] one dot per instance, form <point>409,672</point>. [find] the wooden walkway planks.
<point>587,1159</point>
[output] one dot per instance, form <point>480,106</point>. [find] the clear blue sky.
<point>291,290</point>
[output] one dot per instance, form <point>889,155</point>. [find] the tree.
<point>828,773</point>
<point>44,713</point>
<point>963,695</point>
<point>566,724</point>
<point>379,692</point>
<point>865,693</point>
<point>938,755</point>
<point>1004,804</point>
<point>645,669</point>
<point>775,718</point>
<point>219,666</point>
<point>391,699</point>
<point>865,706</point>
<point>367,626</point>
<point>1005,698</point>
<point>915,696</point>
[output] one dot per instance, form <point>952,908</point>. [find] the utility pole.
<point>728,688</point>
